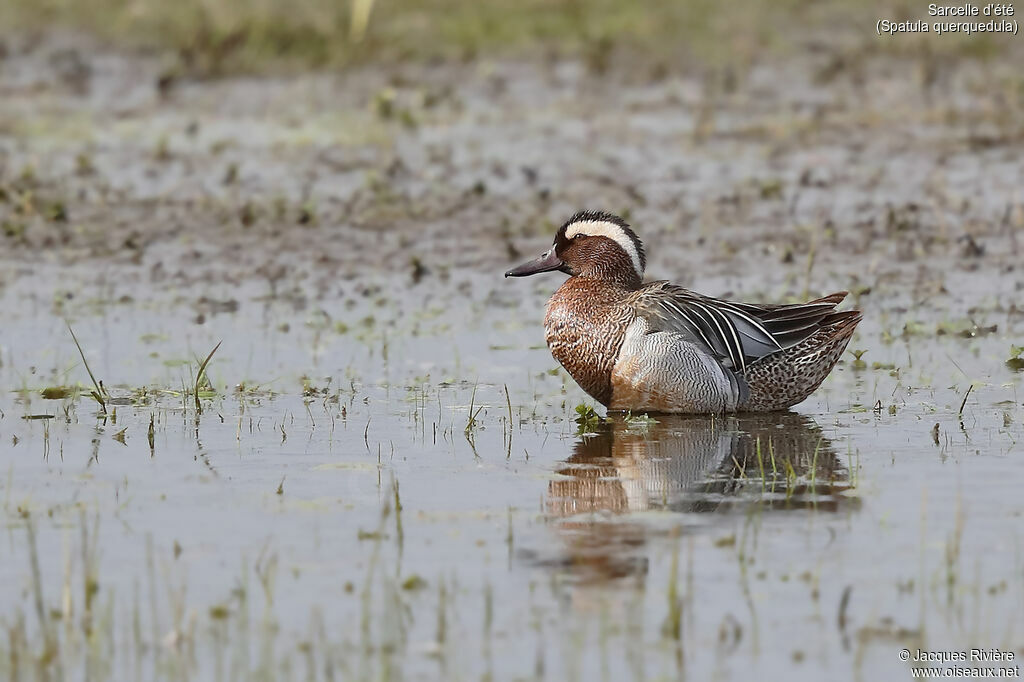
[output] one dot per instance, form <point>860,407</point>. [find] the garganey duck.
<point>658,347</point>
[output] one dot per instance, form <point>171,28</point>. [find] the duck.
<point>657,347</point>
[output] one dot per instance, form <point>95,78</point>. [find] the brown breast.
<point>584,327</point>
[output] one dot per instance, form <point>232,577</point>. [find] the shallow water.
<point>822,540</point>
<point>388,479</point>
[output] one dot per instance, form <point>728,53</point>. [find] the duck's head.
<point>592,244</point>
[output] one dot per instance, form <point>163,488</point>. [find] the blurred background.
<point>246,36</point>
<point>386,126</point>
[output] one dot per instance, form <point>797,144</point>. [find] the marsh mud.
<point>386,476</point>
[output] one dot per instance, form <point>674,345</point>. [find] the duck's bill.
<point>546,263</point>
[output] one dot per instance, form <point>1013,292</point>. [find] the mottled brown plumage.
<point>786,378</point>
<point>657,347</point>
<point>583,328</point>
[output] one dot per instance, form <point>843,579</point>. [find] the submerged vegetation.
<point>1016,362</point>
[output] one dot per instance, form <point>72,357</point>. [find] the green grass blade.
<point>99,394</point>
<point>201,374</point>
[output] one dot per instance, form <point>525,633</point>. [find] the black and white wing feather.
<point>736,333</point>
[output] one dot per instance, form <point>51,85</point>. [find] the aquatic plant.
<point>587,419</point>
<point>200,376</point>
<point>99,393</point>
<point>1016,362</point>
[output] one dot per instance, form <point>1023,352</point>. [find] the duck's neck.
<point>600,275</point>
<point>584,327</point>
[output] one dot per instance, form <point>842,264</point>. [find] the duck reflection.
<point>685,464</point>
<point>700,464</point>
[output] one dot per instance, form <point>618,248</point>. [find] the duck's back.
<point>701,354</point>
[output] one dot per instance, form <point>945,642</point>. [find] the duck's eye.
<point>579,236</point>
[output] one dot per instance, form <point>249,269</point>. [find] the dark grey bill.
<point>546,263</point>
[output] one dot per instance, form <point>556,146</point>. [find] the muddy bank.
<point>381,164</point>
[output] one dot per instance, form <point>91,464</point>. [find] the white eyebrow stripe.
<point>601,228</point>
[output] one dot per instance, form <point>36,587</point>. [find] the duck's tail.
<point>785,378</point>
